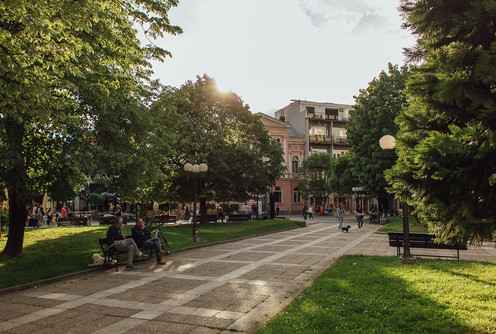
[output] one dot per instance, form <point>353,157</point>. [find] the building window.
<point>296,196</point>
<point>310,110</point>
<point>295,164</point>
<point>331,111</point>
<point>278,195</point>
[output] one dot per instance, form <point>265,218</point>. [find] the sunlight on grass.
<point>378,295</point>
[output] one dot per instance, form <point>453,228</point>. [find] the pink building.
<point>286,194</point>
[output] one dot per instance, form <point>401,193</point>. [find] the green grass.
<point>57,251</point>
<point>395,224</point>
<point>378,295</point>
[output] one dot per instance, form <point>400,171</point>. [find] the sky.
<point>272,51</point>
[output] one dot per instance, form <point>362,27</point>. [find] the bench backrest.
<point>103,244</point>
<point>422,240</point>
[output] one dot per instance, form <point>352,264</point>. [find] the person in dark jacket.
<point>142,237</point>
<point>116,240</point>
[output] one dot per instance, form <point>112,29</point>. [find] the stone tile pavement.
<point>226,288</point>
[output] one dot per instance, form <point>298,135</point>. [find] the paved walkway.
<point>231,287</point>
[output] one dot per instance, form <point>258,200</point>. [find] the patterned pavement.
<point>226,288</point>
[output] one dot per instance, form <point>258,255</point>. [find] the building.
<point>286,194</point>
<point>321,123</point>
<point>317,127</point>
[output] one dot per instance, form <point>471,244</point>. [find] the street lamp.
<point>195,169</point>
<point>388,142</point>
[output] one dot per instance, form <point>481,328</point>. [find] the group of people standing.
<point>39,214</point>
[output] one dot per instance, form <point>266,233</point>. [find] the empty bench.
<point>78,221</point>
<point>210,218</point>
<point>239,217</point>
<point>424,240</point>
<point>164,219</point>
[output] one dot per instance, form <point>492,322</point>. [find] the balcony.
<point>344,118</point>
<point>340,140</point>
<point>327,118</point>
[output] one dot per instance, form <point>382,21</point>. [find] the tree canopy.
<point>373,117</point>
<point>447,142</point>
<point>73,95</point>
<point>218,129</point>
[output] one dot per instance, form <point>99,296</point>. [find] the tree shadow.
<point>59,251</point>
<point>367,294</point>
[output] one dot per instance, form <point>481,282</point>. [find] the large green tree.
<point>373,117</point>
<point>342,179</point>
<point>218,129</point>
<point>447,137</point>
<point>73,94</point>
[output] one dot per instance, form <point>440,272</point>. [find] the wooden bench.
<point>66,221</point>
<point>165,219</point>
<point>424,240</point>
<point>239,217</point>
<point>210,218</point>
<point>111,255</point>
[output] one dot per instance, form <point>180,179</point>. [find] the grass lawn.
<point>395,224</point>
<point>56,251</point>
<point>378,295</point>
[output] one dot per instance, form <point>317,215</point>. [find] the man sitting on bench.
<point>142,237</point>
<point>116,240</point>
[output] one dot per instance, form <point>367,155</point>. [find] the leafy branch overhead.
<point>74,87</point>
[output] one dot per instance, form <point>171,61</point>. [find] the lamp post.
<point>388,142</point>
<point>195,169</point>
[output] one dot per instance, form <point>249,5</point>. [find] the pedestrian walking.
<point>359,216</point>
<point>340,213</point>
<point>310,213</point>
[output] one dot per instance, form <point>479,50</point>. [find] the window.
<point>310,110</point>
<point>331,111</point>
<point>296,196</point>
<point>295,164</point>
<point>278,195</point>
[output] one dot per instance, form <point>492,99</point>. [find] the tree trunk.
<point>17,221</point>
<point>203,211</point>
<point>16,187</point>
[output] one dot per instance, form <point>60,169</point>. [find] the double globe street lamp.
<point>388,142</point>
<point>195,169</point>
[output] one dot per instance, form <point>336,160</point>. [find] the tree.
<point>217,129</point>
<point>342,179</point>
<point>373,117</point>
<point>447,139</point>
<point>317,171</point>
<point>73,94</point>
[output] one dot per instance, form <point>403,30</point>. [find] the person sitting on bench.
<point>142,237</point>
<point>116,240</point>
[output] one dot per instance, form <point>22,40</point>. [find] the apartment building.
<point>304,128</point>
<point>321,123</point>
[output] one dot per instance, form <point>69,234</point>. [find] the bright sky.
<point>271,51</point>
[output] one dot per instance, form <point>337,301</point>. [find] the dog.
<point>97,260</point>
<point>345,229</point>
